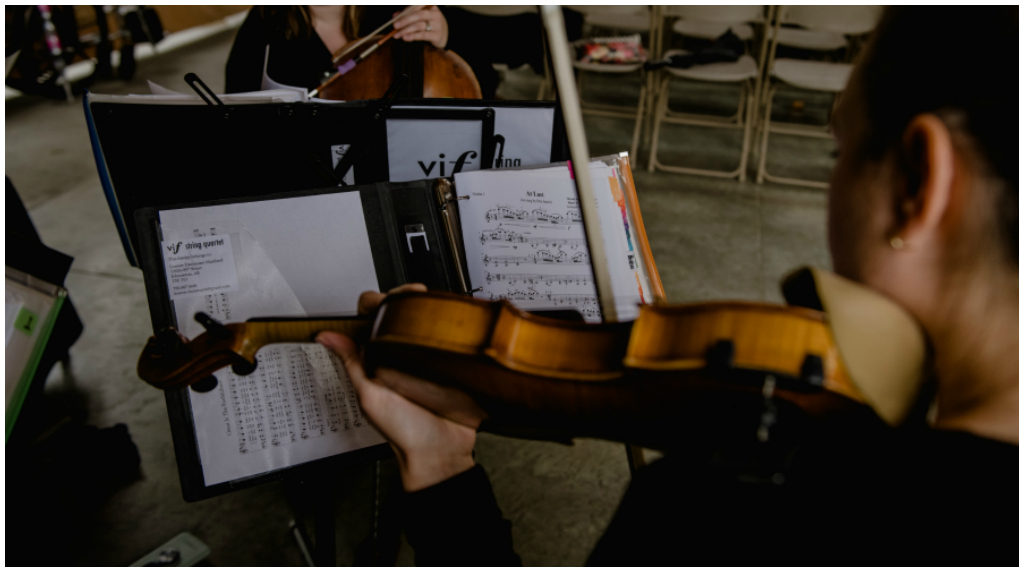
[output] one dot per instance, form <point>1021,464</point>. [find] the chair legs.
<point>744,118</point>
<point>766,117</point>
<point>618,111</point>
<point>766,129</point>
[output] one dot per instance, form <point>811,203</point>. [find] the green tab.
<point>26,321</point>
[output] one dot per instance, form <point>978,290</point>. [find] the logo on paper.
<point>174,248</point>
<point>500,160</point>
<point>459,163</point>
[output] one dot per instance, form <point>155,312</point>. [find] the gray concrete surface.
<point>712,239</point>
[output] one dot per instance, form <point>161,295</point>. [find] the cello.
<point>368,73</point>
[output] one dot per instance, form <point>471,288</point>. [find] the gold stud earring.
<point>896,243</point>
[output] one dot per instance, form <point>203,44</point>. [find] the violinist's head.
<point>923,199</point>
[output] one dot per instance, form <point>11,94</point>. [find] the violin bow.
<point>355,45</point>
<point>358,43</point>
<point>580,153</point>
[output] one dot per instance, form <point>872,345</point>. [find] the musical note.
<point>541,257</point>
<point>538,215</point>
<point>516,295</point>
<point>511,236</point>
<point>545,279</point>
<point>531,244</point>
<point>571,299</point>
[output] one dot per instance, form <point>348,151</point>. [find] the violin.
<point>368,72</point>
<point>629,381</point>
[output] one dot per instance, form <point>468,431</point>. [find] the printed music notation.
<point>504,235</point>
<point>530,225</point>
<point>527,295</point>
<point>545,279</point>
<point>288,399</point>
<point>542,257</point>
<point>571,299</point>
<point>537,215</point>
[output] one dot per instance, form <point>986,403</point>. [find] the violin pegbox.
<point>171,361</point>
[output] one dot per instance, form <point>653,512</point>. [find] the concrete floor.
<point>712,239</point>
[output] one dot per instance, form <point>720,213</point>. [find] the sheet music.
<point>301,256</point>
<point>525,241</point>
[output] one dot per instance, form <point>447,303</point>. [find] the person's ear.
<point>928,162</point>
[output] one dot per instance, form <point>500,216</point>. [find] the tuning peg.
<point>167,344</point>
<point>243,367</point>
<point>213,327</point>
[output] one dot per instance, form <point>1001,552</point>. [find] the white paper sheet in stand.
<point>302,256</point>
<point>525,240</point>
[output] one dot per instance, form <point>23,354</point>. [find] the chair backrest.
<point>850,20</point>
<point>724,14</point>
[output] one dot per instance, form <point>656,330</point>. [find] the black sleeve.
<point>245,62</point>
<point>375,16</point>
<point>458,523</point>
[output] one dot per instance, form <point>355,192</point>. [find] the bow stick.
<point>580,154</point>
<point>342,70</point>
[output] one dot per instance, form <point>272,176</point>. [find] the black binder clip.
<point>389,96</point>
<point>195,83</point>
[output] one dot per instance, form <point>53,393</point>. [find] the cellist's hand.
<point>432,429</point>
<point>428,24</point>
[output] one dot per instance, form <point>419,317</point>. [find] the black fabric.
<point>727,48</point>
<point>458,523</point>
<point>896,498</point>
<point>478,39</point>
<point>296,62</point>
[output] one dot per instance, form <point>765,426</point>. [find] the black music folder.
<point>294,254</point>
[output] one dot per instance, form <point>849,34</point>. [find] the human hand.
<point>432,429</point>
<point>428,24</point>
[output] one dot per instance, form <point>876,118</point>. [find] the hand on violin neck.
<point>428,25</point>
<point>430,448</point>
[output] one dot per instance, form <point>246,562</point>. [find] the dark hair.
<point>295,22</point>
<point>951,59</point>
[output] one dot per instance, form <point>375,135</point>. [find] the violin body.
<point>442,72</point>
<point>635,382</point>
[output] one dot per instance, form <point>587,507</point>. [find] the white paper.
<point>268,84</point>
<point>157,89</point>
<point>338,153</point>
<point>199,266</point>
<point>425,148</point>
<point>300,256</point>
<point>527,132</point>
<point>525,241</point>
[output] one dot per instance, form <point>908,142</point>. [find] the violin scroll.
<point>169,361</point>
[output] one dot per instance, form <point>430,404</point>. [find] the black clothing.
<point>480,40</point>
<point>458,523</point>
<point>902,498</point>
<point>299,62</point>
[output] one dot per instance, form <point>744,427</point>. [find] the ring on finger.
<point>427,29</point>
